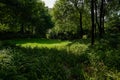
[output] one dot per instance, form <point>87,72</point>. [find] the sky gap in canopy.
<point>49,3</point>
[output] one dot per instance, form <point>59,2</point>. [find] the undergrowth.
<point>75,61</point>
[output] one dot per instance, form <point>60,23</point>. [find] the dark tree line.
<point>26,15</point>
<point>82,17</point>
<point>98,17</point>
<point>72,18</point>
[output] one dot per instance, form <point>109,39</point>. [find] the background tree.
<point>29,16</point>
<point>73,16</point>
<point>79,7</point>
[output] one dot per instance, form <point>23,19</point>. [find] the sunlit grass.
<point>64,58</point>
<point>75,47</point>
<point>39,43</point>
<point>78,47</point>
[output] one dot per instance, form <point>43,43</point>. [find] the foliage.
<point>67,19</point>
<point>69,60</point>
<point>26,56</point>
<point>25,17</point>
<point>43,65</point>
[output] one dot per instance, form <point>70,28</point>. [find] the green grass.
<point>39,43</point>
<point>75,47</point>
<point>42,59</point>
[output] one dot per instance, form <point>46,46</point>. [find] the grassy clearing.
<point>74,60</point>
<point>75,47</point>
<point>40,43</point>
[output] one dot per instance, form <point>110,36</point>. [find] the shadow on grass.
<point>98,62</point>
<point>43,64</point>
<point>104,57</point>
<point>52,64</point>
<point>107,50</point>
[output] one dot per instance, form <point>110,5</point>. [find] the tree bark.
<point>96,16</point>
<point>101,29</point>
<point>22,29</point>
<point>81,29</point>
<point>103,16</point>
<point>92,19</point>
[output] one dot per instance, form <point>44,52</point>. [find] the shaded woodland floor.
<point>67,60</point>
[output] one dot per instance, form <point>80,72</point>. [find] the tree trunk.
<point>22,29</point>
<point>96,24</point>
<point>96,16</point>
<point>92,19</point>
<point>81,29</point>
<point>103,15</point>
<point>101,31</point>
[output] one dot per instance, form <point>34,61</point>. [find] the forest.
<point>74,40</point>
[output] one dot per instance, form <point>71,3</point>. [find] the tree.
<point>101,29</point>
<point>29,15</point>
<point>79,6</point>
<point>112,14</point>
<point>93,24</point>
<point>72,12</point>
<point>65,18</point>
<point>41,19</point>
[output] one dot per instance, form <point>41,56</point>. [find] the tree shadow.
<point>108,51</point>
<point>52,64</point>
<point>43,63</point>
<point>111,40</point>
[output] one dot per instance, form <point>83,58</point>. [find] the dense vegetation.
<point>75,40</point>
